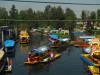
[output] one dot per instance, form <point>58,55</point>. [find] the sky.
<point>40,7</point>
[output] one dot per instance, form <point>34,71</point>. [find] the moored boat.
<point>9,46</point>
<point>24,37</point>
<point>94,70</point>
<point>8,67</point>
<point>2,61</point>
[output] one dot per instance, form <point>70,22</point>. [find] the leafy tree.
<point>83,16</point>
<point>70,16</point>
<point>98,14</point>
<point>3,15</point>
<point>93,17</point>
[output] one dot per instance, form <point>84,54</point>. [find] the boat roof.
<point>1,53</point>
<point>86,37</point>
<point>41,49</point>
<point>9,43</point>
<point>53,36</point>
<point>65,39</point>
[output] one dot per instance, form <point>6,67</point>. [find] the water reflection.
<point>24,48</point>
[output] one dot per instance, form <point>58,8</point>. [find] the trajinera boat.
<point>8,67</point>
<point>94,70</point>
<point>9,46</point>
<point>93,58</point>
<point>41,54</point>
<point>37,54</point>
<point>24,37</point>
<point>2,61</point>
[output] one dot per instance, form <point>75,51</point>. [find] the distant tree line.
<point>25,18</point>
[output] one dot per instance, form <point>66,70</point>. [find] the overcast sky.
<point>37,6</point>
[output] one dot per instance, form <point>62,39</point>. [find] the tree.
<point>93,17</point>
<point>83,16</point>
<point>70,15</point>
<point>13,14</point>
<point>3,15</point>
<point>98,14</point>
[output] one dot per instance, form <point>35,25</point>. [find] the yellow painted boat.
<point>31,62</point>
<point>50,59</point>
<point>24,37</point>
<point>94,70</point>
<point>90,61</point>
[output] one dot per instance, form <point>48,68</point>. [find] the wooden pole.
<point>2,38</point>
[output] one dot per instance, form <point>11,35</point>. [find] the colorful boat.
<point>49,59</point>
<point>94,70</point>
<point>9,46</point>
<point>24,37</point>
<point>38,54</point>
<point>89,60</point>
<point>81,45</point>
<point>8,67</point>
<point>2,60</point>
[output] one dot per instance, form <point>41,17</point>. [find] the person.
<point>51,53</point>
<point>29,56</point>
<point>8,61</point>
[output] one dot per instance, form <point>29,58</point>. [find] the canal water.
<point>68,64</point>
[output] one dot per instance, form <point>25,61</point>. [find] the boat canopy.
<point>42,49</point>
<point>77,32</point>
<point>9,43</point>
<point>1,54</point>
<point>65,39</point>
<point>54,36</point>
<point>88,40</point>
<point>86,37</point>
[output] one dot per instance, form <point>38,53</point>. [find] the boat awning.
<point>86,37</point>
<point>54,36</point>
<point>88,40</point>
<point>65,39</point>
<point>9,43</point>
<point>41,49</point>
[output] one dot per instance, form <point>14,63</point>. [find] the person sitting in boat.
<point>51,53</point>
<point>29,56</point>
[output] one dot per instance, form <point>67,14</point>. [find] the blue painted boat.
<point>9,46</point>
<point>89,61</point>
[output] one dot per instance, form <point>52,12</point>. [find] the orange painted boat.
<point>82,45</point>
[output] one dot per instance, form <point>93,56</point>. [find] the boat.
<point>87,50</point>
<point>38,54</point>
<point>89,60</point>
<point>2,60</point>
<point>24,37</point>
<point>49,59</point>
<point>9,46</point>
<point>94,70</point>
<point>81,45</point>
<point>8,67</point>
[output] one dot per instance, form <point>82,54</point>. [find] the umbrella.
<point>54,36</point>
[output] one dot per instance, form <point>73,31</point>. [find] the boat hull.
<point>49,60</point>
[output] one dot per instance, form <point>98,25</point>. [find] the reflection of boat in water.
<point>48,59</point>
<point>24,37</point>
<point>2,61</point>
<point>94,70</point>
